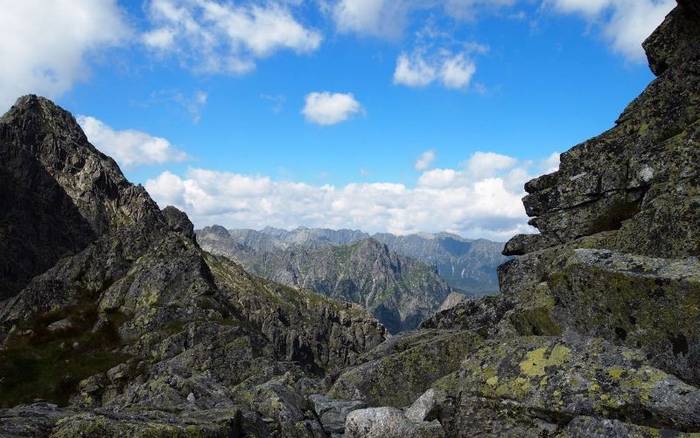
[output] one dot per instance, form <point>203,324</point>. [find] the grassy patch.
<point>39,363</point>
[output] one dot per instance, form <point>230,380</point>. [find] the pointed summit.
<point>59,192</point>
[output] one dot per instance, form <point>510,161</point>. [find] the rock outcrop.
<point>597,330</point>
<point>125,325</point>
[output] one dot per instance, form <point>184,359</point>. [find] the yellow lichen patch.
<point>537,361</point>
<point>492,381</point>
<point>615,373</point>
<point>513,388</point>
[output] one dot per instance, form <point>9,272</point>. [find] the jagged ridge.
<point>135,329</point>
<point>399,291</point>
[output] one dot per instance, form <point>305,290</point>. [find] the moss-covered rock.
<point>564,378</point>
<point>400,377</point>
<point>641,302</point>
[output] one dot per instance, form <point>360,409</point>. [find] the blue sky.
<point>317,113</point>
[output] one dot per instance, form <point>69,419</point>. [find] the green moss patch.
<point>39,363</point>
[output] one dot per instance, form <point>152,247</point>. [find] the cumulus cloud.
<point>325,108</point>
<point>372,17</point>
<point>425,160</point>
<point>625,23</point>
<point>452,70</point>
<point>482,164</point>
<point>488,205</point>
<point>389,18</point>
<point>129,148</point>
<point>551,163</point>
<point>45,45</point>
<point>221,37</point>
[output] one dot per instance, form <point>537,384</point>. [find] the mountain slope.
<point>399,291</point>
<point>465,264</point>
<point>468,265</point>
<point>134,329</point>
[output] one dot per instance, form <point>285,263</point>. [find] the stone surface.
<point>388,423</point>
<point>402,373</point>
<point>426,407</point>
<point>333,413</point>
<point>595,334</point>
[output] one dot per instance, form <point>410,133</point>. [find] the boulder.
<point>388,423</point>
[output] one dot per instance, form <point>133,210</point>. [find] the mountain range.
<point>465,264</point>
<point>399,291</point>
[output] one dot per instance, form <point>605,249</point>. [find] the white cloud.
<point>129,148</point>
<point>389,18</point>
<point>162,39</point>
<point>220,37</point>
<point>452,70</point>
<point>551,163</point>
<point>372,17</point>
<point>483,164</point>
<point>442,200</point>
<point>413,71</point>
<point>425,160</point>
<point>326,108</point>
<point>457,72</point>
<point>625,23</point>
<point>44,45</point>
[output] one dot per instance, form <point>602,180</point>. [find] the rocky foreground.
<point>123,326</point>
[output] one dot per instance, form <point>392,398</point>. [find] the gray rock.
<point>426,407</point>
<point>388,423</point>
<point>178,221</point>
<point>590,427</point>
<point>333,413</point>
<point>64,324</point>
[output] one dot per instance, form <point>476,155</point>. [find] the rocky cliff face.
<point>597,332</point>
<point>399,291</point>
<point>116,316</point>
<point>59,193</point>
<point>468,265</point>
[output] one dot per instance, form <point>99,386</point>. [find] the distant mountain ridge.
<point>400,291</point>
<point>465,264</point>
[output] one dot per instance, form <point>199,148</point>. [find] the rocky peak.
<point>44,132</point>
<point>639,180</point>
<point>60,193</point>
<point>107,302</point>
<point>178,221</point>
<point>675,43</point>
<point>216,230</point>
